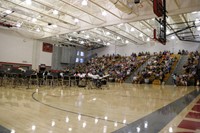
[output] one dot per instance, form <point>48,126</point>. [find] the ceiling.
<point>100,22</point>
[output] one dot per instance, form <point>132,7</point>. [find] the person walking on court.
<point>174,78</point>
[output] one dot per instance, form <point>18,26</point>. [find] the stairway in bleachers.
<point>129,79</point>
<point>178,70</point>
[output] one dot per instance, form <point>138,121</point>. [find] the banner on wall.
<point>47,47</point>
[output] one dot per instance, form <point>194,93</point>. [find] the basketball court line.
<point>158,119</point>
<point>86,115</point>
<point>4,130</point>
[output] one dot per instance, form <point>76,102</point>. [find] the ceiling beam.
<point>114,32</point>
<point>128,33</point>
<point>65,2</point>
<point>42,3</point>
<point>188,25</point>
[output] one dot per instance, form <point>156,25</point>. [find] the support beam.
<point>188,25</point>
<point>175,32</point>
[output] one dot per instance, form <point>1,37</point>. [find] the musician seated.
<point>98,80</point>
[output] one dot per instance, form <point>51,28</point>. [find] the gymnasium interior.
<point>99,66</point>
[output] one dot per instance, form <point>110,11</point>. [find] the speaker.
<point>137,1</point>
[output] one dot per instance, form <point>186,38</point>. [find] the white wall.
<point>15,48</point>
<point>173,46</point>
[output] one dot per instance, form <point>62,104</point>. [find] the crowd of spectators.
<point>120,67</point>
<point>189,76</point>
<point>157,67</point>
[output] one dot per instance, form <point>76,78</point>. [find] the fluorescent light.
<point>132,29</point>
<point>108,43</point>
<point>107,33</point>
<point>118,37</point>
<point>104,13</point>
<point>127,41</point>
<point>38,29</point>
<point>84,3</point>
<point>54,26</point>
<point>172,37</point>
<point>196,21</point>
<point>55,12</point>
<point>141,35</point>
<point>168,32</point>
<point>70,39</point>
<point>28,2</point>
<point>34,20</point>
<point>148,39</point>
<point>194,12</point>
<point>76,20</point>
<point>8,11</point>
<point>82,42</point>
<point>87,36</point>
<point>198,28</point>
<point>18,25</point>
<point>98,40</point>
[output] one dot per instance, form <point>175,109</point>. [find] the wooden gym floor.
<point>123,108</point>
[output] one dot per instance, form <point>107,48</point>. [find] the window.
<point>77,60</point>
<point>81,60</point>
<point>77,53</point>
<point>82,53</point>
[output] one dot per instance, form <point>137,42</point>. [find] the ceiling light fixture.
<point>132,29</point>
<point>104,13</point>
<point>198,28</point>
<point>84,3</point>
<point>107,44</point>
<point>18,25</point>
<point>8,11</point>
<point>126,41</point>
<point>98,40</point>
<point>194,12</point>
<point>55,12</point>
<point>141,35</point>
<point>38,29</point>
<point>87,36</point>
<point>107,33</point>
<point>82,42</point>
<point>34,20</point>
<point>167,32</point>
<point>28,2</point>
<point>54,26</point>
<point>76,20</point>
<point>197,21</point>
<point>148,39</point>
<point>172,37</point>
<point>118,37</point>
